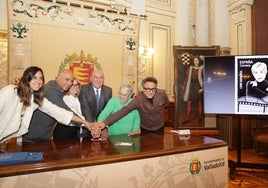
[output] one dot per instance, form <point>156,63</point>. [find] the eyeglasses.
<point>149,89</point>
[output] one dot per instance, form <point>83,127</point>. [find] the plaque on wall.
<point>189,70</point>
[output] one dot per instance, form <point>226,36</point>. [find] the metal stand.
<point>233,165</point>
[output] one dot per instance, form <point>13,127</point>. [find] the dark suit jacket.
<point>87,99</point>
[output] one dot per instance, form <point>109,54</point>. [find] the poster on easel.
<point>251,86</point>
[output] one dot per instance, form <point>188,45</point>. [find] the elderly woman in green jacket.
<point>130,123</point>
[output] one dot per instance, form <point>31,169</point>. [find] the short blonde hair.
<point>259,65</point>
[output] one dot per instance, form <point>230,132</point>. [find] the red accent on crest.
<point>82,71</point>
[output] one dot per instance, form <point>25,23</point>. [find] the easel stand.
<point>233,165</point>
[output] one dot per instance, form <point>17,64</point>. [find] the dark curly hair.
<point>149,79</point>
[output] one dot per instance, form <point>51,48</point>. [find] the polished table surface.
<point>74,153</point>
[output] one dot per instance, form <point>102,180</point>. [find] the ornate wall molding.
<point>233,4</point>
<point>238,14</point>
<point>23,14</point>
<point>211,21</point>
<point>160,64</point>
<point>240,26</point>
<point>162,2</point>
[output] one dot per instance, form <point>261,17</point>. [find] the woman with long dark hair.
<point>18,102</point>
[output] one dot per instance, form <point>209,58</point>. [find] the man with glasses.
<point>150,103</point>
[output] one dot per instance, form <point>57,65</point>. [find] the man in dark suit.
<point>91,106</point>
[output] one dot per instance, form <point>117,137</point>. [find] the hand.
<point>254,83</point>
<point>96,133</point>
<point>99,125</point>
<point>88,125</point>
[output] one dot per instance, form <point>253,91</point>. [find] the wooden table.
<point>153,158</point>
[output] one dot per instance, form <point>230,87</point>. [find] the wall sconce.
<point>145,52</point>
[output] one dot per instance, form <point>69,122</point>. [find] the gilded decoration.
<point>3,59</point>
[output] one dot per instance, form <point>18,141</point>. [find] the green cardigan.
<point>129,123</point>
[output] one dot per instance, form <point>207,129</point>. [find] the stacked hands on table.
<point>98,130</point>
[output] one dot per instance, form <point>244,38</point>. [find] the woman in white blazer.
<point>18,102</point>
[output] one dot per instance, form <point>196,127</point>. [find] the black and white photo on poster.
<point>251,86</point>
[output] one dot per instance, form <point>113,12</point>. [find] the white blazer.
<point>13,123</point>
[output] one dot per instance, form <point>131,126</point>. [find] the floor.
<point>245,177</point>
